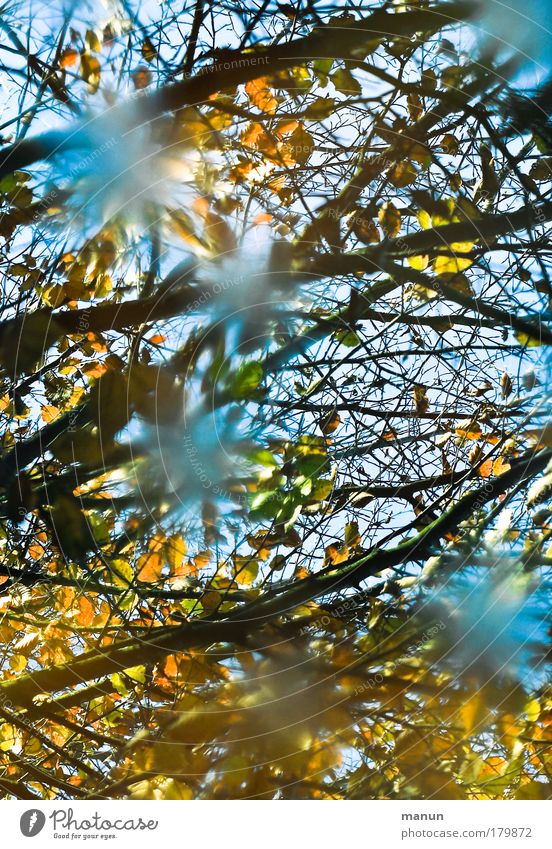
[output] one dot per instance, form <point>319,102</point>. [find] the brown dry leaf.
<point>403,174</point>
<point>141,77</point>
<point>92,41</point>
<point>364,228</point>
<point>415,106</point>
<point>170,667</point>
<point>148,50</point>
<point>420,399</point>
<point>300,145</point>
<point>211,601</point>
<point>330,422</point>
<point>505,384</point>
<point>218,234</point>
<point>389,218</point>
<point>468,429</point>
<point>202,559</point>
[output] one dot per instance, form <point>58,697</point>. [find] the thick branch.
<point>251,617</point>
<point>239,67</point>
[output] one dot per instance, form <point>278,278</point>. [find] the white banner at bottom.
<point>278,825</point>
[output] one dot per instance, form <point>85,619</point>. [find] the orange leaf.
<point>201,559</point>
<point>170,667</point>
<point>69,58</point>
<point>260,95</point>
<point>262,218</point>
<point>149,567</point>
<point>49,413</point>
<point>94,369</point>
<point>486,469</point>
<point>86,611</point>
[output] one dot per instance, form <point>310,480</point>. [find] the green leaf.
<point>246,380</point>
<point>348,338</point>
<point>320,108</point>
<point>322,68</point>
<point>344,82</point>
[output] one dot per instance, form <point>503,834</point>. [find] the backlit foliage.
<point>275,467</point>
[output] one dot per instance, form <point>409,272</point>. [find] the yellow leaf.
<point>90,71</point>
<point>93,41</point>
<point>527,341</point>
<point>500,466</point>
<point>424,219</point>
<point>471,712</point>
<point>175,550</point>
<point>277,563</point>
<point>320,108</point>
<point>8,737</point>
<point>137,673</point>
<point>210,601</point>
<point>18,662</point>
<point>321,489</point>
<point>123,573</point>
<point>352,536</point>
<point>344,82</point>
<point>449,143</point>
<point>453,264</point>
<point>173,789</point>
<point>418,263</point>
<point>532,710</point>
<point>534,790</point>
<point>246,569</point>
